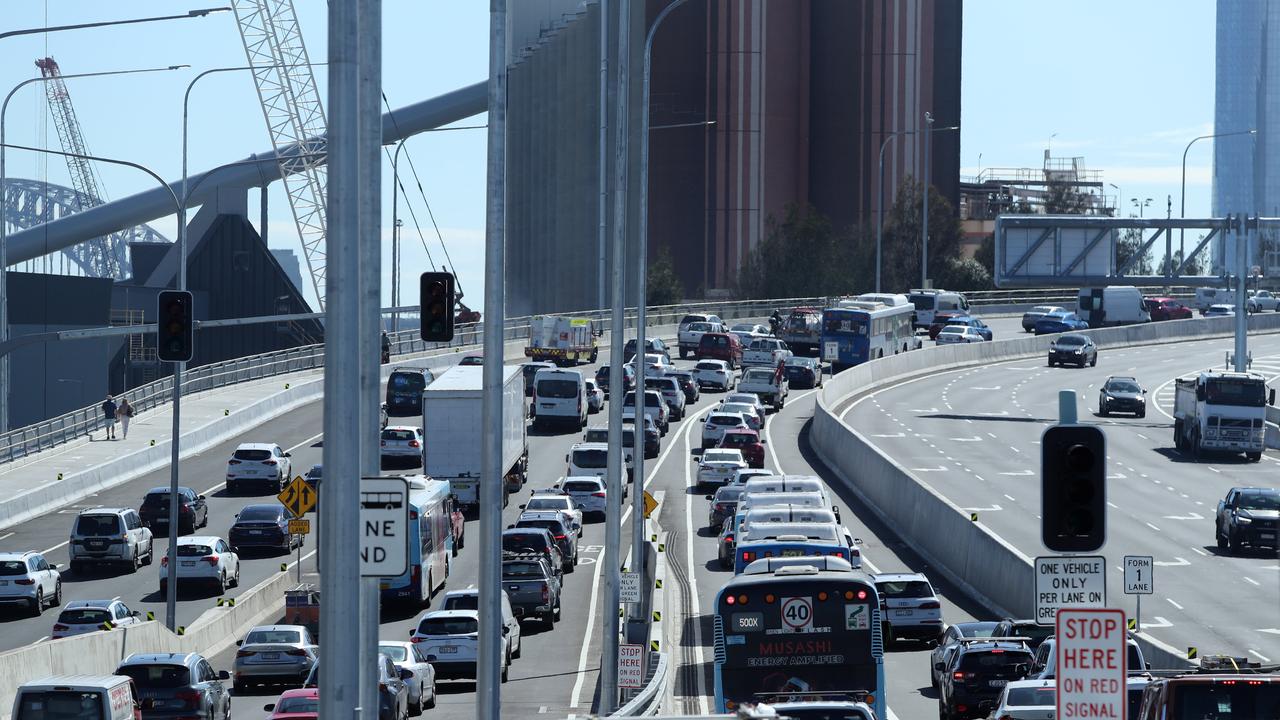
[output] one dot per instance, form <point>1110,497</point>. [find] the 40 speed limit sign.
<point>797,614</point>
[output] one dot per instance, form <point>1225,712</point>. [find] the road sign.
<point>298,497</point>
<point>797,614</point>
<point>384,526</point>
<point>1138,577</point>
<point>1091,659</point>
<point>630,666</point>
<point>299,526</point>
<point>649,504</point>
<point>1074,581</point>
<point>629,589</point>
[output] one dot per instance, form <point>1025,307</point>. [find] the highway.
<point>973,435</point>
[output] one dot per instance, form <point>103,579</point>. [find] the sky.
<point>1123,84</point>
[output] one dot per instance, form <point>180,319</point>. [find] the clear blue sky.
<point>1124,84</point>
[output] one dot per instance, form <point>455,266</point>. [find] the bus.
<point>431,538</point>
<point>761,540</point>
<point>797,631</point>
<point>860,331</point>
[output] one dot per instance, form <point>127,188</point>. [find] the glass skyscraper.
<point>1246,169</point>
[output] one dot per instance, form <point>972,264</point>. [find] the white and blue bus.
<point>859,331</point>
<point>430,543</point>
<point>790,631</point>
<point>761,540</point>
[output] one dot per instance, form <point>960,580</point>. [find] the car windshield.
<point>709,366</point>
<point>1259,501</point>
<point>1072,340</point>
<point>157,677</point>
<point>555,527</point>
<point>743,408</point>
<point>12,567</point>
<point>739,439</point>
<point>448,626</point>
<point>399,435</point>
<point>715,340</point>
<point>922,302</point>
<point>84,616</point>
<point>725,420</point>
<point>728,494</point>
<point>298,705</point>
<point>60,705</point>
<point>1226,391</point>
<point>1032,697</point>
<point>556,503</point>
<point>397,653</point>
<point>596,435</point>
<point>406,381</point>
<point>581,486</point>
<point>559,389</point>
<point>743,328</point>
<point>259,513</point>
<point>157,498</point>
<point>1042,309</point>
<point>1033,631</point>
<point>1123,386</point>
<point>521,570</point>
<point>253,455</point>
<point>688,319</point>
<point>904,589</point>
<point>98,525</point>
<point>193,550</point>
<point>272,637</point>
<point>700,327</point>
<point>591,458</point>
<point>953,330</point>
<point>470,601</point>
<point>711,456</point>
<point>757,375</point>
<point>990,660</point>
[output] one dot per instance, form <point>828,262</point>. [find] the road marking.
<point>940,468</point>
<point>1215,469</point>
<point>1199,551</point>
<point>769,438</point>
<point>893,435</point>
<point>1176,562</point>
<point>1153,527</point>
<point>695,604</point>
<point>1015,449</point>
<point>1260,656</point>
<point>1160,622</point>
<point>1112,505</point>
<point>64,543</point>
<point>1171,602</point>
<point>1192,516</point>
<point>1144,437</point>
<point>1020,473</point>
<point>975,438</point>
<point>1010,497</point>
<point>980,478</point>
<point>6,535</point>
<point>586,638</point>
<point>991,435</point>
<point>46,637</point>
<point>993,508</point>
<point>1251,581</point>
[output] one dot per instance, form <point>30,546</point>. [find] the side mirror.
<point>764,442</point>
<point>239,643</point>
<point>289,455</point>
<point>1022,669</point>
<point>135,613</point>
<point>511,527</point>
<point>506,630</point>
<point>224,675</point>
<point>1271,398</point>
<point>411,631</point>
<point>522,507</point>
<point>53,566</point>
<point>201,497</point>
<point>702,419</point>
<point>939,666</point>
<point>269,707</point>
<point>709,497</point>
<point>406,674</point>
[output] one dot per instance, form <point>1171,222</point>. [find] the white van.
<point>792,484</point>
<point>929,302</point>
<point>1206,296</point>
<point>1112,305</point>
<point>890,299</point>
<point>559,396</point>
<point>84,697</point>
<point>591,459</point>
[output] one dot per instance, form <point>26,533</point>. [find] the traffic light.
<point>1073,489</point>
<point>175,324</point>
<point>435,295</point>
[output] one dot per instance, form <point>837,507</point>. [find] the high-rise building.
<point>754,105</point>
<point>1246,169</point>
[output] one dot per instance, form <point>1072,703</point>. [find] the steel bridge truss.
<point>1083,250</point>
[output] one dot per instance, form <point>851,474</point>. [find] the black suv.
<point>653,346</point>
<point>628,378</point>
<point>976,673</point>
<point>1035,634</point>
<point>1122,394</point>
<point>193,512</point>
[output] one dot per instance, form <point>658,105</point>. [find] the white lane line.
<point>586,643</point>
<point>1112,505</point>
<point>695,604</point>
<point>1144,437</point>
<point>1251,581</point>
<point>6,535</point>
<point>46,637</point>
<point>1010,498</point>
<point>64,543</point>
<point>1198,550</point>
<point>1171,602</point>
<point>1153,527</point>
<point>1260,656</point>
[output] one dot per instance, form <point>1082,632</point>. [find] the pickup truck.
<point>765,384</point>
<point>532,587</point>
<point>690,336</point>
<point>765,351</point>
<point>1248,516</point>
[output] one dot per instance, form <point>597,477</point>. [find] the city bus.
<point>789,539</point>
<point>430,543</point>
<point>798,631</point>
<point>857,332</point>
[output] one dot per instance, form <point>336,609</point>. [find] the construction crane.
<point>295,118</point>
<point>104,256</point>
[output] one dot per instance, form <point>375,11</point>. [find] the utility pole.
<point>924,235</point>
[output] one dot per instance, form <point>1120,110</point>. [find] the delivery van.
<point>84,697</point>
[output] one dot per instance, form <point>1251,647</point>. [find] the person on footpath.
<point>109,409</point>
<point>125,412</point>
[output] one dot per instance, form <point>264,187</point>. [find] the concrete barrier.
<point>98,653</point>
<point>968,554</point>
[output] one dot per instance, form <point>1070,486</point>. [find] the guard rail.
<point>649,699</point>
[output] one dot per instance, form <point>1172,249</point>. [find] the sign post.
<point>631,666</point>
<point>1139,579</point>
<point>1069,581</point>
<point>298,498</point>
<point>384,527</point>
<point>1091,657</point>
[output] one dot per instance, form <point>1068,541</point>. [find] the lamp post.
<point>1183,211</point>
<point>924,220</point>
<point>106,23</point>
<point>4,210</point>
<point>880,202</point>
<point>1119,198</point>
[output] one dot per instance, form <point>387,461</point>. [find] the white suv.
<point>203,558</point>
<point>714,373</point>
<point>262,463</point>
<point>109,535</point>
<point>717,422</point>
<point>26,577</point>
<point>450,640</point>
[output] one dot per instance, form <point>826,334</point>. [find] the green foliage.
<point>986,254</point>
<point>902,233</point>
<point>1127,245</point>
<point>663,286</point>
<point>963,274</point>
<point>803,256</point>
<point>1063,199</point>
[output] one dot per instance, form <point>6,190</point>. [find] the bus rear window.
<point>1224,701</point>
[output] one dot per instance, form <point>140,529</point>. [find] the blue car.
<point>1056,322</point>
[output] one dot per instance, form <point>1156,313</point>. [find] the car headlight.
<point>1244,519</point>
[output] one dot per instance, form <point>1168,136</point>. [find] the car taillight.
<point>185,509</point>
<point>728,538</point>
<point>415,639</point>
<point>25,581</point>
<point>212,560</point>
<point>245,653</point>
<point>961,676</point>
<point>233,462</point>
<point>597,494</point>
<point>546,593</point>
<point>296,653</point>
<point>268,462</point>
<point>164,561</point>
<point>60,626</point>
<point>748,556</point>
<point>415,575</point>
<point>559,537</point>
<point>413,443</point>
<point>383,443</point>
<point>190,697</point>
<point>931,605</point>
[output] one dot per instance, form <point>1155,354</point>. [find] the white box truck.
<point>453,431</point>
<point>1221,411</point>
<point>566,341</point>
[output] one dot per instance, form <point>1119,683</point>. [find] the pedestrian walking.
<point>126,414</point>
<point>109,410</point>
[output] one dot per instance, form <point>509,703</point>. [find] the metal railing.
<point>79,423</point>
<point>649,700</point>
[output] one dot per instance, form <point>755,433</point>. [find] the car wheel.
<point>555,612</point>
<point>1094,361</point>
<point>1142,413</point>
<point>431,702</point>
<point>1220,537</point>
<point>505,667</point>
<point>57,595</point>
<point>1102,409</point>
<point>235,579</point>
<point>1051,362</point>
<point>1233,541</point>
<point>415,709</point>
<point>136,562</point>
<point>37,604</point>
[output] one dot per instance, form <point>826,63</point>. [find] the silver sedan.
<point>274,654</point>
<point>422,686</point>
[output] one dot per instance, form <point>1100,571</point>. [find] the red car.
<point>749,442</point>
<point>721,346</point>
<point>1163,308</point>
<point>301,704</point>
<point>940,321</point>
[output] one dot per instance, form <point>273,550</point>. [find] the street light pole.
<point>602,204</point>
<point>880,202</point>
<point>924,222</point>
<point>106,23</point>
<point>4,212</point>
<point>1182,233</point>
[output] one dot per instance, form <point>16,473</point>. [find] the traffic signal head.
<point>175,324</point>
<point>1073,491</point>
<point>435,294</point>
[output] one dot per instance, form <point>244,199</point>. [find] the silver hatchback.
<point>274,654</point>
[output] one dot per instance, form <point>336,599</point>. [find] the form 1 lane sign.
<point>1138,579</point>
<point>1091,658</point>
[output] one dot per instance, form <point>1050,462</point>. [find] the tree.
<point>1061,198</point>
<point>902,250</point>
<point>986,254</point>
<point>663,286</point>
<point>1192,268</point>
<point>801,256</point>
<point>1128,245</point>
<point>964,274</point>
